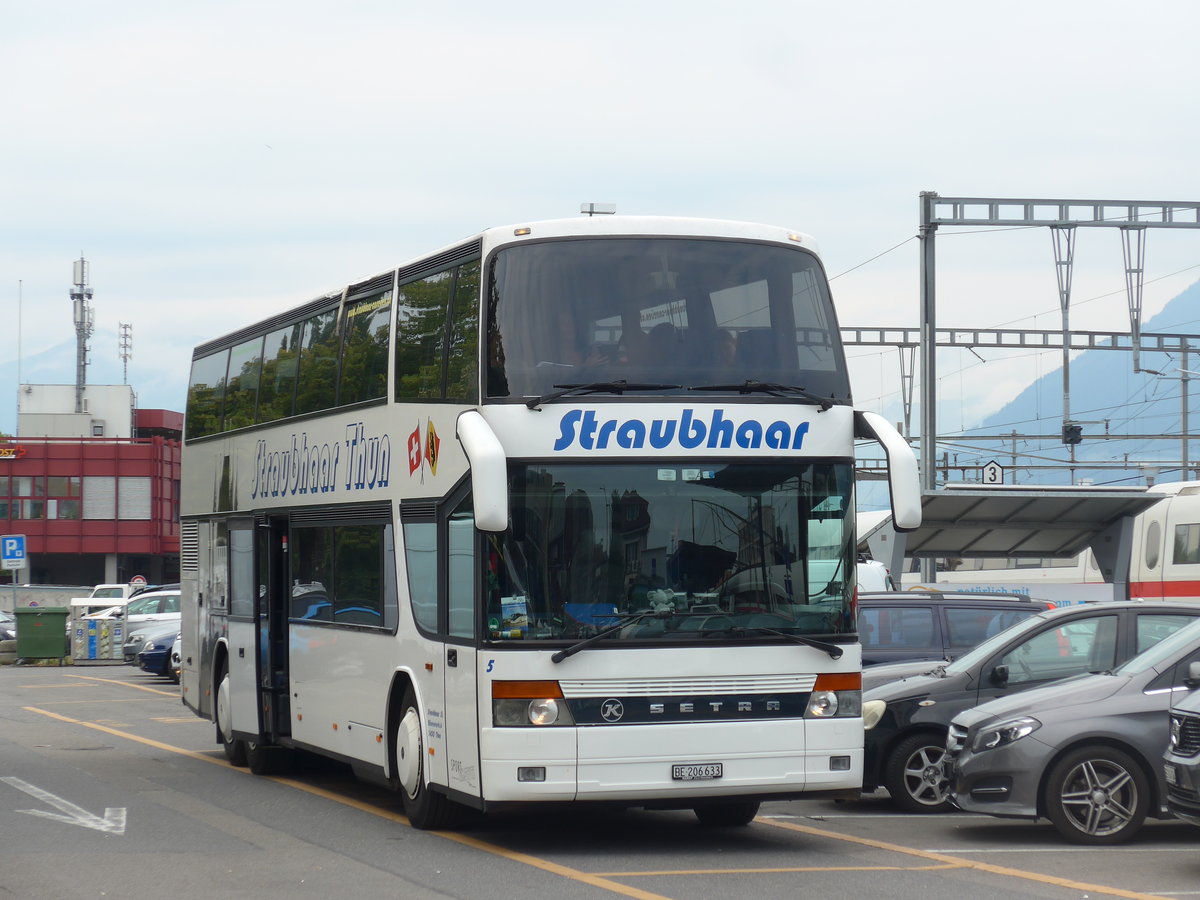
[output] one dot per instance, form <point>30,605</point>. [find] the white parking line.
<point>823,818</point>
<point>1063,849</point>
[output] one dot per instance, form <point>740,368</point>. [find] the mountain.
<point>1107,396</point>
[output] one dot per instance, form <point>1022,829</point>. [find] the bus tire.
<point>727,814</point>
<point>425,809</point>
<point>267,760</point>
<point>235,750</point>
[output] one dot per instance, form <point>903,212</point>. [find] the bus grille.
<point>665,687</point>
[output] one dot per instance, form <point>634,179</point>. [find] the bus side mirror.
<point>489,471</point>
<point>1000,676</point>
<point>904,482</point>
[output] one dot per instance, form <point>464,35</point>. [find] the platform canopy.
<point>1018,521</point>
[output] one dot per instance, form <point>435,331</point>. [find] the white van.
<point>104,600</point>
<point>873,576</point>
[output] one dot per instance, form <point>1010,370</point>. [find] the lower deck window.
<point>337,574</point>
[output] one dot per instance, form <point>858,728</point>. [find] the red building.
<point>96,509</point>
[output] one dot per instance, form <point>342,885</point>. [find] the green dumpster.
<point>42,632</point>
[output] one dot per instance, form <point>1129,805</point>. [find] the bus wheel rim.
<point>408,753</point>
<point>224,719</point>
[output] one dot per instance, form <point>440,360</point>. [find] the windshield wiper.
<point>834,651</point>
<point>750,386</point>
<point>596,387</point>
<point>617,626</point>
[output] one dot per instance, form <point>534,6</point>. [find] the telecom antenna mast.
<point>81,293</point>
<point>126,349</point>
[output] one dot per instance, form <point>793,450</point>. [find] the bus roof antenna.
<point>598,209</point>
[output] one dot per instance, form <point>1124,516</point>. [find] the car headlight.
<point>1175,732</point>
<point>873,711</point>
<point>1005,733</point>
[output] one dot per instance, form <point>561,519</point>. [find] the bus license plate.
<point>697,771</point>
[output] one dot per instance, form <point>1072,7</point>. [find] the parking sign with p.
<point>12,551</point>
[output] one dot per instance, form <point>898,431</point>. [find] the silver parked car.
<point>1181,766</point>
<point>1084,753</point>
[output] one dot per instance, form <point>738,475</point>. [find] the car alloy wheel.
<point>1097,795</point>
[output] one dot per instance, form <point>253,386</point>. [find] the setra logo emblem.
<point>612,710</point>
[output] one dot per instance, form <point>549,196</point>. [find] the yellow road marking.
<point>157,745</point>
<point>779,870</point>
<point>82,702</point>
<point>44,687</point>
<point>140,687</point>
<point>964,863</point>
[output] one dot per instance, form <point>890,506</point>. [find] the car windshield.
<point>716,550</point>
<point>968,661</point>
<point>143,605</point>
<point>1165,652</point>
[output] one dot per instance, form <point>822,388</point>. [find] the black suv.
<point>907,719</point>
<point>922,625</point>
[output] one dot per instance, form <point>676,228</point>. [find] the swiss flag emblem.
<point>414,450</point>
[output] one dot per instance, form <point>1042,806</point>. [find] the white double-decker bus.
<point>561,513</point>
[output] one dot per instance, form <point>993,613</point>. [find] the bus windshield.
<point>716,551</point>
<point>669,312</point>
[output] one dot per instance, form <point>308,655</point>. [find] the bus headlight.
<point>836,695</point>
<point>522,704</point>
<point>543,712</point>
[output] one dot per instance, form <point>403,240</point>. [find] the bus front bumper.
<point>663,762</point>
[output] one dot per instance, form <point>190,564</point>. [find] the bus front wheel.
<point>424,808</point>
<point>727,814</point>
<point>235,750</point>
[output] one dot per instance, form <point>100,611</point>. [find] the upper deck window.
<point>670,311</point>
<point>365,349</point>
<point>437,336</point>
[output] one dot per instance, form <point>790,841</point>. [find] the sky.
<point>220,162</point>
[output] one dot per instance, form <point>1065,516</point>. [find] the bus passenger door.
<point>462,712</point>
<point>272,610</point>
<point>233,558</point>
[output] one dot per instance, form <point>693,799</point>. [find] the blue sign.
<point>12,551</point>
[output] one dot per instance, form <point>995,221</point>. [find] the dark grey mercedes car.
<point>906,714</point>
<point>1085,753</point>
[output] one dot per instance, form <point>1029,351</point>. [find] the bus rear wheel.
<point>425,809</point>
<point>267,760</point>
<point>235,750</point>
<point>728,814</point>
